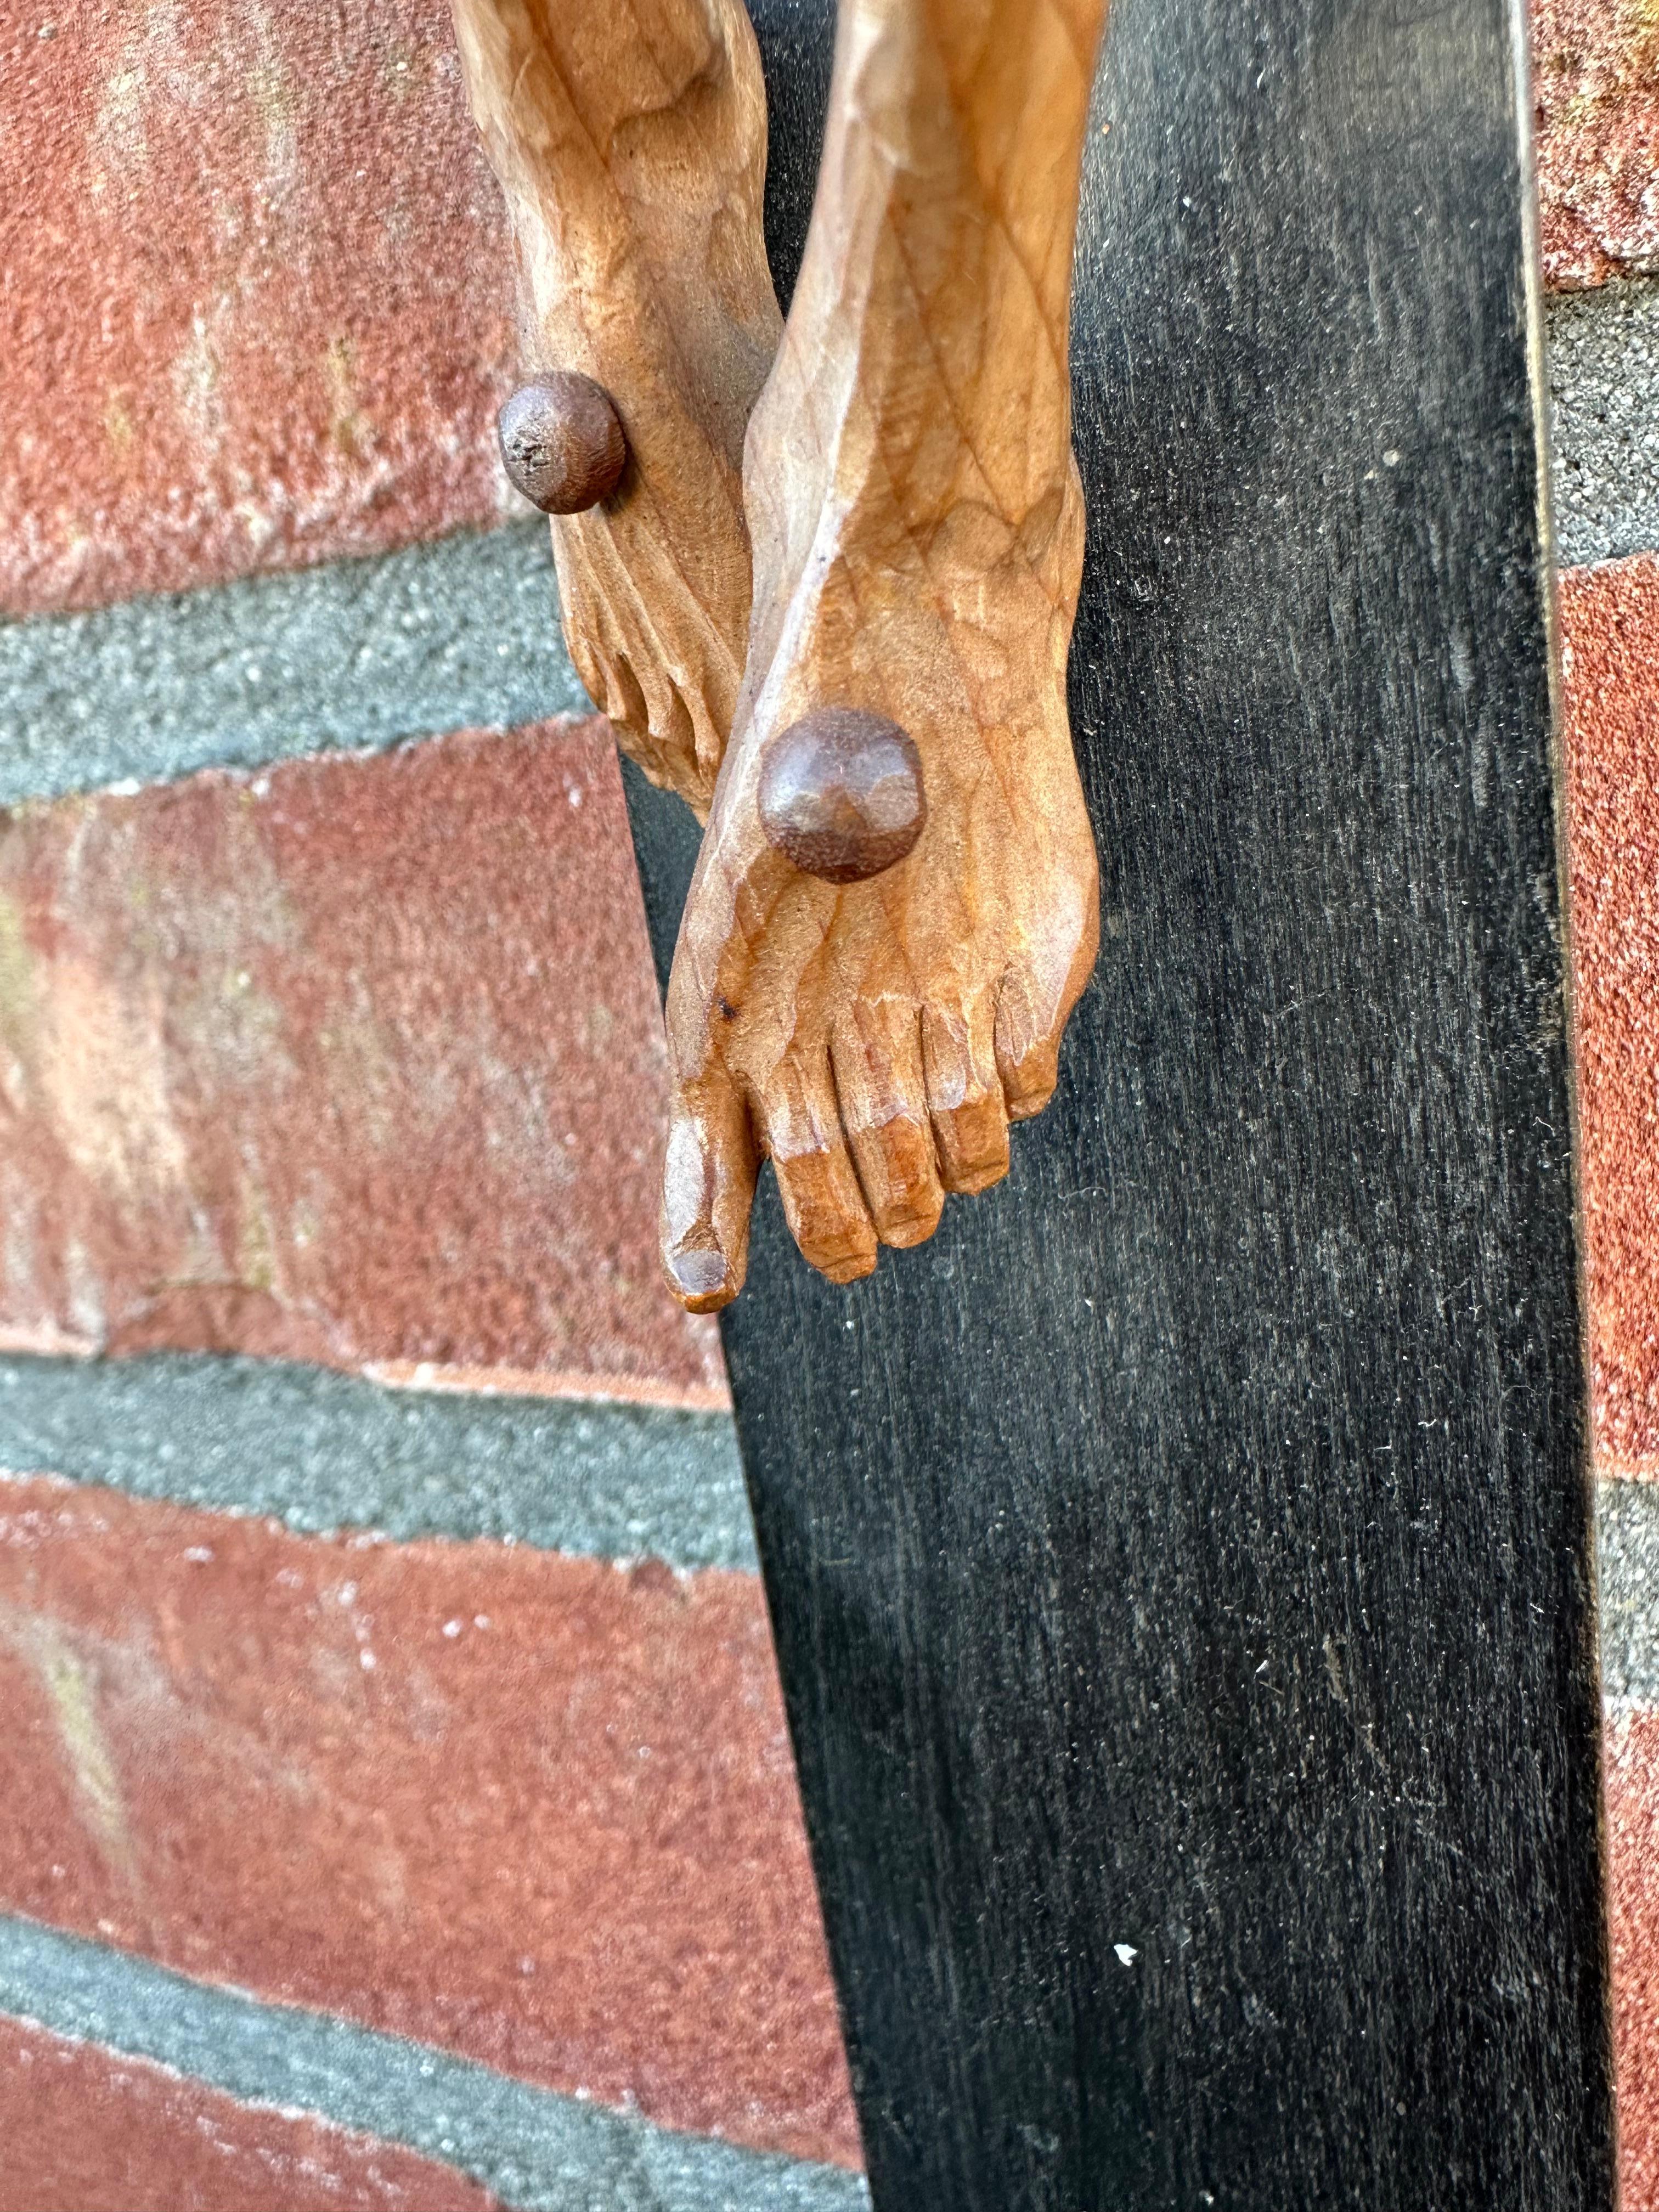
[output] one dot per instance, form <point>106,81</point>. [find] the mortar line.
<point>538,2149</point>
<point>321,1452</point>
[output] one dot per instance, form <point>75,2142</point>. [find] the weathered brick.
<point>84,2129</point>
<point>255,285</point>
<point>1596,82</point>
<point>537,1810</point>
<point>1633,1794</point>
<point>1610,663</point>
<point>359,1061</point>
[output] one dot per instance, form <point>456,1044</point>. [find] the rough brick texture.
<point>83,2130</point>
<point>538,1810</point>
<point>1595,82</point>
<point>1611,662</point>
<point>255,291</point>
<point>360,1061</point>
<point>1632,1787</point>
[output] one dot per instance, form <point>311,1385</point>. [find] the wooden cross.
<point>1181,1567</point>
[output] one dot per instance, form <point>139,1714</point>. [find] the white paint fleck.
<point>1126,1953</point>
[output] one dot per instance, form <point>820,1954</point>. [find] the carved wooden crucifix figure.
<point>917,526</point>
<point>871,1012</point>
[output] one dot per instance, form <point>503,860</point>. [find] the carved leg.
<point>629,137</point>
<point>917,525</point>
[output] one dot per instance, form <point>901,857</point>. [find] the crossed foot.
<point>628,137</point>
<point>916,527</point>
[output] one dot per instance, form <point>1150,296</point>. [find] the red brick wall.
<point>536,1810</point>
<point>1610,659</point>
<point>357,1061</point>
<point>1596,82</point>
<point>84,2130</point>
<point>255,291</point>
<point>1611,664</point>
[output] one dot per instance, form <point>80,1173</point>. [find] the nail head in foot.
<point>840,793</point>
<point>562,441</point>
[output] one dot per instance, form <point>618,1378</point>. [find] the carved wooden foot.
<point>630,142</point>
<point>917,528</point>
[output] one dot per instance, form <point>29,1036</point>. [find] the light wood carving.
<point>630,138</point>
<point>917,525</point>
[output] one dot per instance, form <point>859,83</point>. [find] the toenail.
<point>697,1274</point>
<point>562,443</point>
<point>840,793</point>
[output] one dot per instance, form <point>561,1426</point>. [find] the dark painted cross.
<point>1181,1567</point>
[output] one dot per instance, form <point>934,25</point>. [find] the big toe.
<point>708,1188</point>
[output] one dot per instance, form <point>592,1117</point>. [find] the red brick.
<point>539,1810</point>
<point>360,1061</point>
<point>82,2130</point>
<point>1611,662</point>
<point>1632,1790</point>
<point>255,285</point>
<point>1595,82</point>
